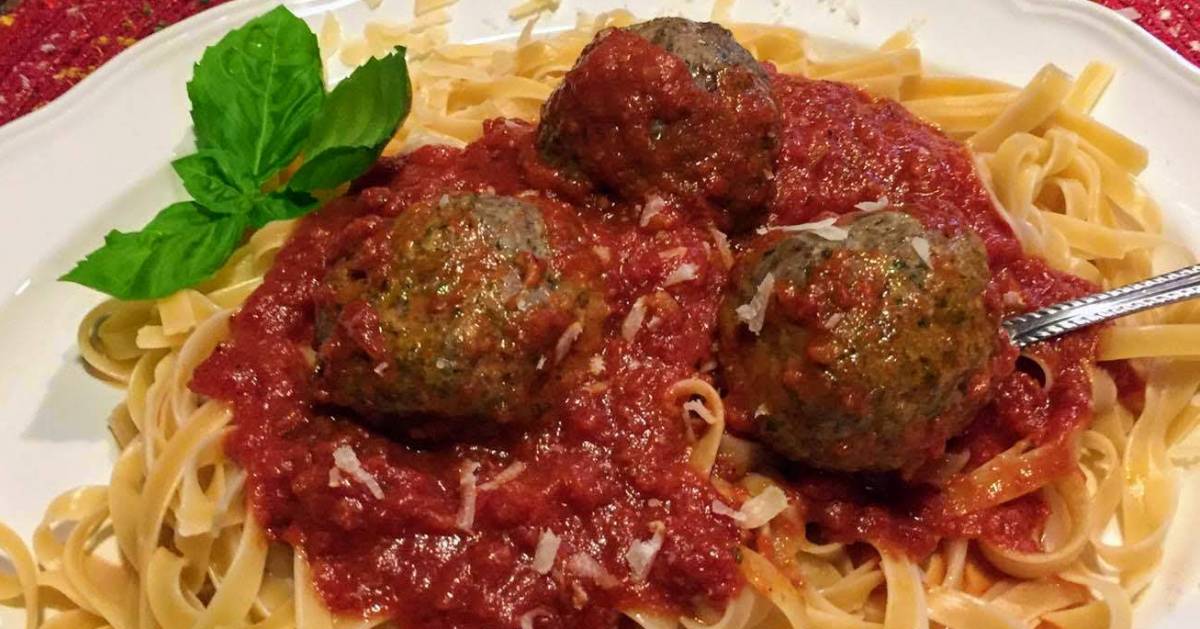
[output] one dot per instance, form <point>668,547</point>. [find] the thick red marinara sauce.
<point>607,467</point>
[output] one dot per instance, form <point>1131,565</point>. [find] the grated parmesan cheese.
<point>583,565</point>
<point>756,511</point>
<point>505,475</point>
<point>566,340</point>
<point>722,242</point>
<point>701,411</point>
<point>530,7</point>
<point>921,246</point>
<point>421,7</point>
<point>682,273</point>
<point>1130,13</point>
<point>633,320</point>
<point>596,365</point>
<point>654,205</point>
<point>546,551</point>
<point>824,228</point>
<point>466,489</point>
<point>873,206</point>
<point>754,312</point>
<point>537,612</point>
<point>330,37</point>
<point>641,553</point>
<point>345,460</point>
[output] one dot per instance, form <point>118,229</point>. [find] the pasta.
<point>169,543</point>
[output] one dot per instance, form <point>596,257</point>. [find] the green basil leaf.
<point>281,205</point>
<point>204,177</point>
<point>254,93</point>
<point>182,246</point>
<point>333,167</point>
<point>357,119</point>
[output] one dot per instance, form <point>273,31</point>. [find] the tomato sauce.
<point>609,465</point>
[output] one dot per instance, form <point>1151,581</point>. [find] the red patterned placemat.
<point>46,46</point>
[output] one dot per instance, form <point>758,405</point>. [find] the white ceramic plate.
<point>97,158</point>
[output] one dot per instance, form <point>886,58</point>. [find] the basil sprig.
<point>258,101</point>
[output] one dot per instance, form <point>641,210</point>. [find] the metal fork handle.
<point>1069,316</point>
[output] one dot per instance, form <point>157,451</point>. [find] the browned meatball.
<point>865,352</point>
<point>708,49</point>
<point>453,316</point>
<point>668,106</point>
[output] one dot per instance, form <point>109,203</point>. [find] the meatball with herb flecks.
<point>671,107</point>
<point>860,345</point>
<point>454,315</point>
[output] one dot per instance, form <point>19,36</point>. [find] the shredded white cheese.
<point>546,551</point>
<point>421,7</point>
<point>602,252</point>
<point>754,312</point>
<point>701,411</point>
<point>756,511</point>
<point>1130,13</point>
<point>921,246</point>
<point>823,228</point>
<point>505,475</point>
<point>380,368</point>
<point>682,273</point>
<point>466,491</point>
<point>330,37</point>
<point>641,553</point>
<point>633,320</point>
<point>873,206</point>
<point>537,612</point>
<point>566,340</point>
<point>708,366</point>
<point>529,7</point>
<point>761,410</point>
<point>596,365</point>
<point>722,246</point>
<point>582,564</point>
<point>672,253</point>
<point>833,320</point>
<point>541,363</point>
<point>346,460</point>
<point>654,205</point>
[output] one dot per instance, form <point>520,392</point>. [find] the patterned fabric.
<point>46,46</point>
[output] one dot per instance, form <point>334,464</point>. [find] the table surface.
<point>47,46</point>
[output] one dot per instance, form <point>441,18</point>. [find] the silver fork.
<point>1069,316</point>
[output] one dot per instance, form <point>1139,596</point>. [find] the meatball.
<point>668,106</point>
<point>708,49</point>
<point>452,316</point>
<point>860,348</point>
